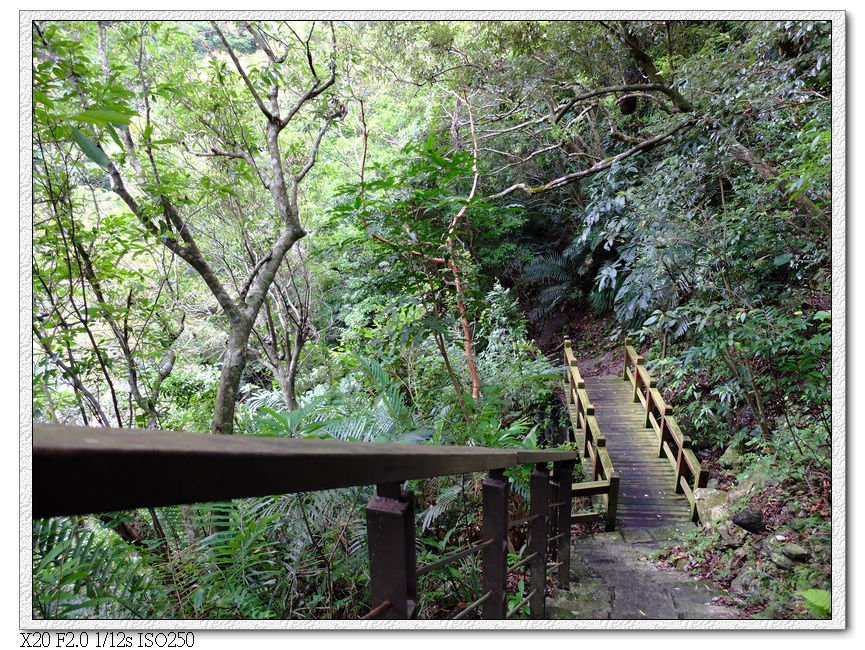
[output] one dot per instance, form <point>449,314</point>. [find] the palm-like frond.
<point>83,572</point>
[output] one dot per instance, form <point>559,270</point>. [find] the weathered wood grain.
<point>80,470</point>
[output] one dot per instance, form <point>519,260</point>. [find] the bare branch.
<point>563,109</point>
<point>189,253</point>
<point>520,161</point>
<point>262,43</point>
<point>315,146</point>
<point>645,145</point>
<point>317,88</point>
<point>255,269</point>
<point>242,72</point>
<point>477,177</point>
<point>239,154</point>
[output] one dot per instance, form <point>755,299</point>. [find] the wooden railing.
<point>672,443</point>
<point>81,470</point>
<point>604,480</point>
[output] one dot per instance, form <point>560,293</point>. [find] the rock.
<point>712,484</point>
<point>773,611</point>
<point>780,538</point>
<point>730,537</point>
<point>747,582</point>
<point>795,552</point>
<point>750,521</point>
<point>782,561</point>
<point>731,457</point>
<point>711,505</point>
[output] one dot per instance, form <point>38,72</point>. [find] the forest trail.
<point>612,578</point>
<point>646,494</point>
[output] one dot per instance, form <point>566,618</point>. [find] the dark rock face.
<point>750,521</point>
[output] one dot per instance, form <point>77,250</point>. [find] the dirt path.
<point>614,578</point>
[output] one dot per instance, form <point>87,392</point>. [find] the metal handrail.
<point>453,557</point>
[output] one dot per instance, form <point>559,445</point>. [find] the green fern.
<point>79,572</point>
<point>818,602</point>
<point>445,502</point>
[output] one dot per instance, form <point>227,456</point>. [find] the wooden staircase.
<point>647,497</point>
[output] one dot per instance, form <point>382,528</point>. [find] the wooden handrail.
<point>590,439</point>
<point>72,466</point>
<point>144,468</point>
<point>672,443</point>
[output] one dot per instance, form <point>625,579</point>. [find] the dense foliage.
<point>354,230</point>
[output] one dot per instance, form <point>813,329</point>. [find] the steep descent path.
<point>646,494</point>
<point>614,579</point>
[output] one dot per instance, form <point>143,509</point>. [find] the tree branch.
<point>242,72</point>
<point>647,65</point>
<point>317,88</point>
<point>314,153</point>
<point>216,152</point>
<point>645,145</point>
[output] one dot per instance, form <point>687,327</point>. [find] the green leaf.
<point>102,117</point>
<point>91,603</point>
<point>113,133</point>
<point>90,148</point>
<point>782,259</point>
<point>818,601</point>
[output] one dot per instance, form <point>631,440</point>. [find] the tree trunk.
<point>293,367</point>
<point>286,387</point>
<point>229,380</point>
<point>468,342</point>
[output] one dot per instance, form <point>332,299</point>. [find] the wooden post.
<point>540,485</point>
<point>638,362</point>
<point>390,538</point>
<point>564,471</point>
<point>695,516</point>
<point>495,556</point>
<point>589,410</point>
<point>628,341</point>
<point>569,386</point>
<point>612,501</point>
<point>665,429</point>
<point>680,462</point>
<point>553,516</point>
<point>649,388</point>
<point>596,466</point>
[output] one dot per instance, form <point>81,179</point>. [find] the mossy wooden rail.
<point>672,443</point>
<point>82,470</point>
<point>591,443</point>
